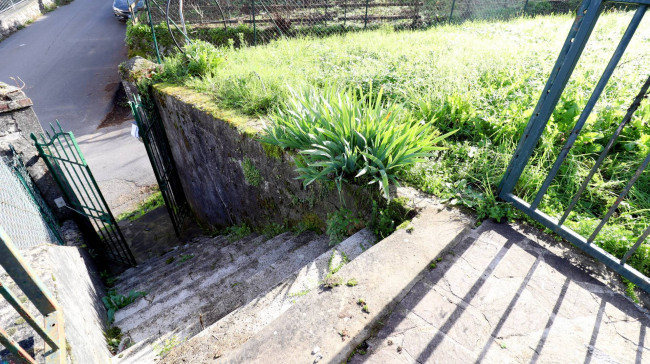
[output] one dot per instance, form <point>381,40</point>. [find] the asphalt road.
<point>68,60</point>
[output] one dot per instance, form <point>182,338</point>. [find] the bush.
<point>200,59</point>
<point>346,135</point>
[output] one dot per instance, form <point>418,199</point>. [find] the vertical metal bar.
<point>147,147</point>
<point>525,6</point>
<point>573,46</point>
<point>345,12</point>
<point>620,198</point>
<point>153,31</point>
<point>54,328</point>
<point>365,18</point>
<point>254,24</point>
<point>604,79</point>
<point>628,116</point>
<point>14,264</point>
<point>14,348</point>
<point>22,311</point>
<point>636,245</point>
<point>451,13</point>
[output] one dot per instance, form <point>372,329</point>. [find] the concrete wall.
<point>70,276</point>
<point>20,14</point>
<point>17,121</point>
<point>229,176</point>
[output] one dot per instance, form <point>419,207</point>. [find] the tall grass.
<point>482,79</point>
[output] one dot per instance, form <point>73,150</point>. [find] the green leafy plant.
<point>386,216</point>
<point>113,338</point>
<point>115,301</point>
<point>346,135</point>
<point>341,224</point>
<point>237,232</point>
<point>165,346</point>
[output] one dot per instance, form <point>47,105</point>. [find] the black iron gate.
<point>81,192</point>
<point>153,135</point>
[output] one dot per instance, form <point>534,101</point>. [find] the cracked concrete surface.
<point>501,297</point>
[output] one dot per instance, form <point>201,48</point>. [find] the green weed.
<point>115,301</point>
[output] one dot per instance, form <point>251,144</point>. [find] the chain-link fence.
<point>9,4</point>
<point>224,22</point>
<point>27,223</point>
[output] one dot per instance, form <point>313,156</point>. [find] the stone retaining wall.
<point>228,174</point>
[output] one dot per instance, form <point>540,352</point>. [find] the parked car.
<point>122,8</point>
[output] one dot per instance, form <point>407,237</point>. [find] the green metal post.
<point>254,25</point>
<point>525,6</point>
<point>153,32</point>
<point>345,12</point>
<point>451,14</point>
<point>365,18</point>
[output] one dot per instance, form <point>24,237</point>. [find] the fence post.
<point>345,12</point>
<point>451,14</point>
<point>153,31</point>
<point>254,25</point>
<point>365,18</point>
<point>525,6</point>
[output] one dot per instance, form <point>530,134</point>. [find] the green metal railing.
<point>580,32</point>
<point>64,159</point>
<point>52,331</point>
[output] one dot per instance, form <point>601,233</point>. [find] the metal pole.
<point>365,19</point>
<point>254,25</point>
<point>153,32</point>
<point>525,6</point>
<point>451,14</point>
<point>345,12</point>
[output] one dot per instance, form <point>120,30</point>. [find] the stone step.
<point>167,292</point>
<point>241,324</point>
<point>221,255</point>
<point>328,324</point>
<point>139,270</point>
<point>181,308</point>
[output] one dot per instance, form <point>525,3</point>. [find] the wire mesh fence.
<point>259,21</point>
<point>20,215</point>
<point>6,5</point>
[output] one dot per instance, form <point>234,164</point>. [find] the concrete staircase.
<point>222,289</point>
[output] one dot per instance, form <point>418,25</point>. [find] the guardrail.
<point>52,331</point>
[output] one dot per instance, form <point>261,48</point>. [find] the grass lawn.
<point>482,79</point>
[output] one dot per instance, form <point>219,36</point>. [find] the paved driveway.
<point>68,60</point>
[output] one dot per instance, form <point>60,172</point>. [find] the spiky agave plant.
<point>346,134</point>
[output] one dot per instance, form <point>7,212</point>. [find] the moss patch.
<point>251,173</point>
<point>247,125</point>
<point>272,151</point>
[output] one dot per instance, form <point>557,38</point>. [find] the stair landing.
<point>503,298</point>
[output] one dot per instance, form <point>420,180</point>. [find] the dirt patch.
<point>120,112</point>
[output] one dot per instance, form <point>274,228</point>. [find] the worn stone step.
<point>241,324</point>
<point>149,266</point>
<point>219,248</point>
<point>327,325</point>
<point>210,299</point>
<point>167,293</point>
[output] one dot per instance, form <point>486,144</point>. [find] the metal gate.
<point>153,135</point>
<point>71,172</point>
<point>586,19</point>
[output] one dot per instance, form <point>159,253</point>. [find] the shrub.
<point>346,135</point>
<point>200,59</point>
